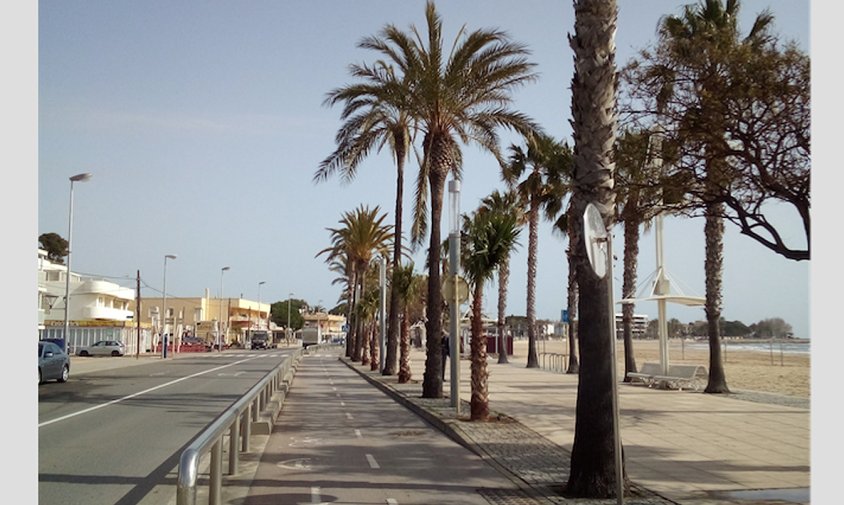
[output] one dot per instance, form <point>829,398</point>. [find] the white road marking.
<point>358,434</point>
<point>342,404</point>
<point>372,463</point>
<point>349,416</point>
<point>392,501</point>
<point>139,393</point>
<point>295,464</point>
<point>315,495</point>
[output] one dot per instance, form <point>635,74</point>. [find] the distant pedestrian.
<point>446,352</point>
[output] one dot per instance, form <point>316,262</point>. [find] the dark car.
<point>53,363</point>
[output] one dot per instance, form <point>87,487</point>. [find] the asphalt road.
<point>114,436</point>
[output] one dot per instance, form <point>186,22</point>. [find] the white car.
<point>103,348</point>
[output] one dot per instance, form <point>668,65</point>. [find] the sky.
<point>203,123</point>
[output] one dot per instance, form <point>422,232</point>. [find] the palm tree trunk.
<point>631,261</point>
<point>360,337</point>
<point>374,350</point>
<point>393,317</point>
<point>432,382</point>
<point>350,336</point>
<point>479,404</point>
<point>503,279</point>
<point>404,351</point>
<point>593,471</point>
<point>714,265</point>
<point>533,239</point>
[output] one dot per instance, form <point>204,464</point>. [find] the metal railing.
<point>553,361</point>
<point>236,420</point>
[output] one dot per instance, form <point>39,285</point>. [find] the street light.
<point>164,308</point>
<point>454,303</point>
<point>259,302</point>
<point>76,178</point>
<point>289,299</point>
<point>220,321</point>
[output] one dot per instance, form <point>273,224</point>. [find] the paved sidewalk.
<point>680,446</point>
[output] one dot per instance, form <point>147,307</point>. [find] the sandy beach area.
<point>763,371</point>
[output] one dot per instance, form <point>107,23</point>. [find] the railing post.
<point>233,434</point>
<point>247,429</point>
<point>216,487</point>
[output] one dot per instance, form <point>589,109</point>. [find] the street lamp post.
<point>261,283</point>
<point>454,303</point>
<point>164,308</point>
<point>289,300</point>
<point>220,322</point>
<point>76,178</point>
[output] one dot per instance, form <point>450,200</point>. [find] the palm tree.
<point>407,287</point>
<point>507,203</point>
<point>458,97</point>
<point>699,40</point>
<point>530,173</point>
<point>486,241</point>
<point>593,122</point>
<point>372,120</point>
<point>638,203</point>
<point>361,237</point>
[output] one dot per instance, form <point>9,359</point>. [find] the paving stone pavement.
<point>540,465</point>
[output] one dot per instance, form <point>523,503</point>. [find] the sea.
<point>785,347</point>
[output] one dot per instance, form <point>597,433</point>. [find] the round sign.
<point>595,239</point>
<point>448,289</point>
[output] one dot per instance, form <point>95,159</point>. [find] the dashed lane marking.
<point>372,463</point>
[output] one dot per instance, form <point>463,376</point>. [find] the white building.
<point>99,309</point>
<point>638,326</point>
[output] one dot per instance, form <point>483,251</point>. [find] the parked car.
<point>53,363</point>
<point>195,342</point>
<point>103,348</point>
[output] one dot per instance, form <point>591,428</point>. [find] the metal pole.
<point>164,308</point>
<point>220,322</point>
<point>454,305</point>
<point>619,472</point>
<point>382,312</point>
<point>66,335</point>
<point>289,300</point>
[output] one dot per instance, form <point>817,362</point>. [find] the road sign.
<point>565,315</point>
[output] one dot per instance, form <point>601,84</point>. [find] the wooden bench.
<point>678,376</point>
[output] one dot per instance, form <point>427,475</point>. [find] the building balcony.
<point>106,313</point>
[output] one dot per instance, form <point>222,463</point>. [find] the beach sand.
<point>763,371</point>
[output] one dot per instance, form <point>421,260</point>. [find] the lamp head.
<point>81,177</point>
<point>170,256</point>
<point>226,268</point>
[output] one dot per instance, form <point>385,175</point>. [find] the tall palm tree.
<point>373,120</point>
<point>506,203</point>
<point>486,241</point>
<point>530,173</point>
<point>593,99</point>
<point>460,97</point>
<point>407,287</point>
<point>361,236</point>
<point>699,40</point>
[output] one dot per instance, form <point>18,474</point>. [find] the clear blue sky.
<point>203,123</point>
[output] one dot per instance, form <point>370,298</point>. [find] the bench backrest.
<point>651,369</point>
<point>687,371</point>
